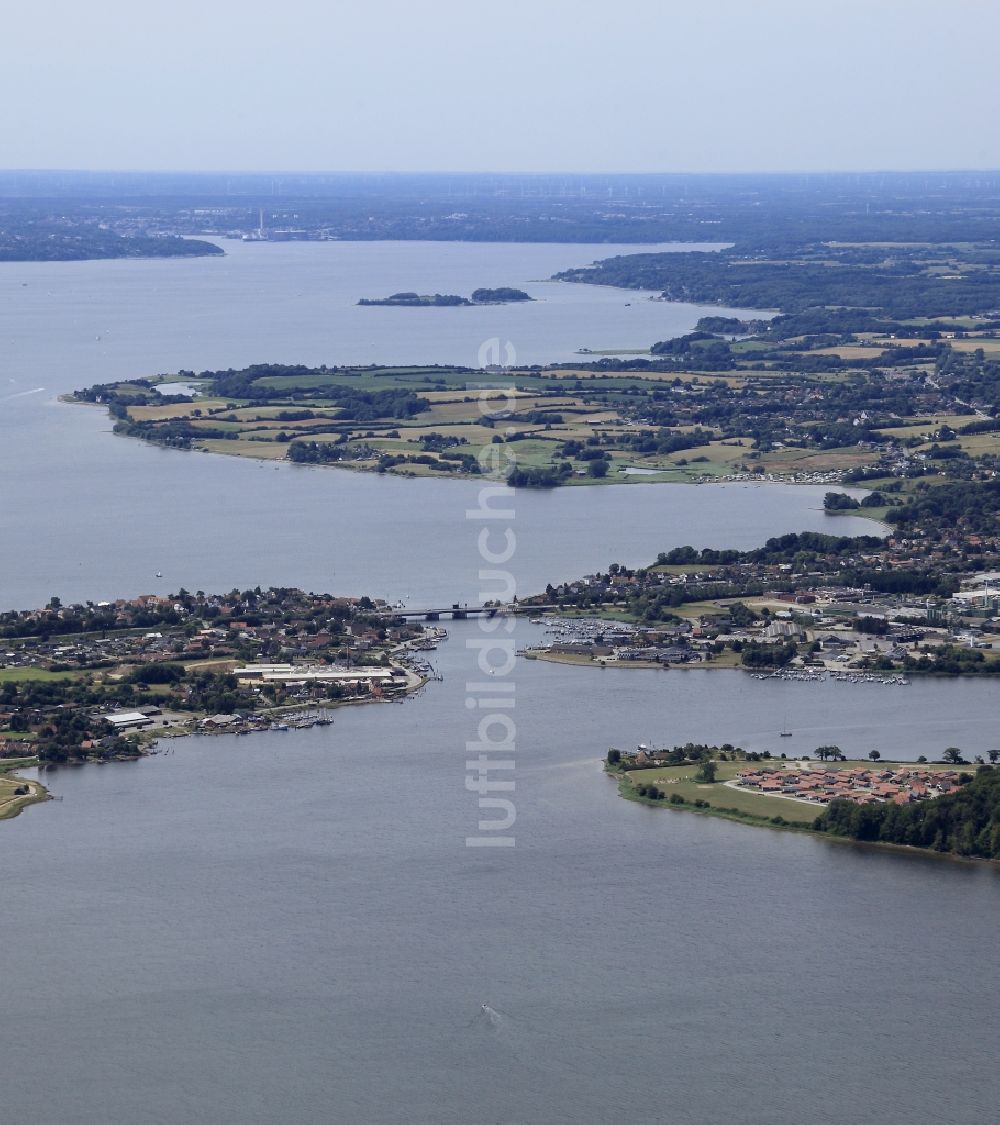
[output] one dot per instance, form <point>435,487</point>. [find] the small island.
<point>104,681</point>
<point>501,296</point>
<point>941,807</point>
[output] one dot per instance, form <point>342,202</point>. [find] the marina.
<point>818,676</point>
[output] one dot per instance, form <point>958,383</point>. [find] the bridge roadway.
<point>457,611</point>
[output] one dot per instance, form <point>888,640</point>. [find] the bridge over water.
<point>459,610</point>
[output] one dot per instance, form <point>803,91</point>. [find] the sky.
<point>514,85</point>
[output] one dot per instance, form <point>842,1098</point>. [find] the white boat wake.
<point>23,394</point>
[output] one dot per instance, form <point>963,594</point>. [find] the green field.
<point>12,803</point>
<point>20,675</point>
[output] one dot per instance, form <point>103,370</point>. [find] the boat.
<point>784,734</point>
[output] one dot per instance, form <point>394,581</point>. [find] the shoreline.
<point>580,661</point>
<point>627,791</point>
<point>146,746</point>
<point>12,804</point>
<point>620,478</point>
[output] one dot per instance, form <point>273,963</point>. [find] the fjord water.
<point>288,927</point>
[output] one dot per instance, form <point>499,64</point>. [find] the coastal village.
<point>778,618</point>
<point>98,681</point>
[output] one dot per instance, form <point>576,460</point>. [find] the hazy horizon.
<point>916,170</point>
<point>559,87</point>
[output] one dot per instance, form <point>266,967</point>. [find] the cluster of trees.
<point>839,502</point>
<point>758,655</point>
<point>949,660</point>
<point>498,296</point>
<point>973,506</point>
<point>807,547</point>
<point>262,382</point>
<point>437,300</point>
<point>663,440</point>
<point>538,477</point>
<point>175,433</point>
<point>966,822</point>
<point>320,452</point>
<point>919,581</point>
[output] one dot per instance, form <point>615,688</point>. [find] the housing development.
<point>819,786</point>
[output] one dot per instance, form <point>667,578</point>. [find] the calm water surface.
<point>288,927</point>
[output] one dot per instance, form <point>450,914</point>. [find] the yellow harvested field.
<point>809,461</point>
<point>990,345</point>
<point>467,412</point>
<point>979,444</point>
<point>262,450</point>
<point>850,351</point>
<point>273,424</point>
<point>882,342</point>
<point>921,427</point>
<point>177,410</point>
<point>475,435</point>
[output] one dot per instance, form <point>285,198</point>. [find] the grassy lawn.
<point>925,425</point>
<point>21,675</point>
<point>811,460</point>
<point>12,803</point>
<point>865,513</point>
<point>681,780</point>
<point>978,444</point>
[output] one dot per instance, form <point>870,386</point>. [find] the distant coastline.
<point>87,245</point>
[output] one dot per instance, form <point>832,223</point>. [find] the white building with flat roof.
<point>311,674</point>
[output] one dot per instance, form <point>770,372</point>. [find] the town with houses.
<point>81,682</point>
<point>804,606</point>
